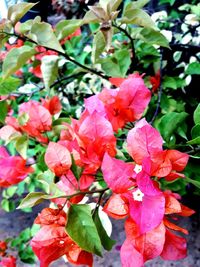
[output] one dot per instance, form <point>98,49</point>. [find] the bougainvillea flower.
<point>144,141</point>
<point>122,105</point>
<point>155,82</point>
<point>117,174</point>
<point>58,158</point>
<point>13,169</point>
<point>145,200</point>
<point>53,105</point>
<point>78,256</point>
<point>69,185</point>
<point>175,247</point>
<point>9,261</point>
<point>36,70</point>
<point>52,242</point>
<point>94,136</point>
<point>39,119</point>
<point>50,216</point>
<point>116,207</point>
<point>139,248</point>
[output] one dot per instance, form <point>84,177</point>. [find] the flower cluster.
<point>87,147</point>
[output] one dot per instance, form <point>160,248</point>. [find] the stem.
<point>106,77</point>
<point>194,150</point>
<point>84,193</point>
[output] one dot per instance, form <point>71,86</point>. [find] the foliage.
<point>67,140</point>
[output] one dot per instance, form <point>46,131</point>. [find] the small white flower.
<point>138,195</point>
<point>138,168</point>
<point>62,242</point>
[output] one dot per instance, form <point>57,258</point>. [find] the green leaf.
<point>9,85</point>
<point>5,27</point>
<point>137,17</point>
<point>114,4</point>
<point>66,27</point>
<point>170,122</point>
<point>99,44</point>
<point>193,68</point>
<point>49,68</point>
<point>195,132</point>
<point>81,228</point>
<point>11,191</point>
<point>7,205</point>
<point>33,199</point>
<point>169,82</point>
<point>26,26</point>
<point>21,145</point>
<point>16,12</point>
<point>118,64</point>
<point>136,4</point>
<point>42,33</point>
<point>195,141</point>
<point>3,110</point>
<point>15,59</point>
<point>152,37</point>
<point>106,241</point>
<point>197,115</point>
<point>90,17</point>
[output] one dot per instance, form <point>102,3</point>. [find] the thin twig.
<point>194,150</point>
<point>65,55</point>
<point>84,193</point>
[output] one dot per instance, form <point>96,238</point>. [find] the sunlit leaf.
<point>15,59</point>
<point>81,228</point>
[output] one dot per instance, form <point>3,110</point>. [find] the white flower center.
<point>138,168</point>
<point>62,242</point>
<point>138,195</point>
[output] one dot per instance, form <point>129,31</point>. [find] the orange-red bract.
<point>52,241</point>
<point>39,120</point>
<point>58,158</point>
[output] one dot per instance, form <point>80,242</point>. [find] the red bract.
<point>52,241</point>
<point>53,105</point>
<point>12,169</point>
<point>144,142</point>
<point>58,158</point>
<point>139,248</point>
<point>9,261</point>
<point>175,247</point>
<point>39,120</point>
<point>88,140</point>
<point>117,174</point>
<point>122,105</point>
<point>76,33</point>
<point>155,82</point>
<point>3,247</point>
